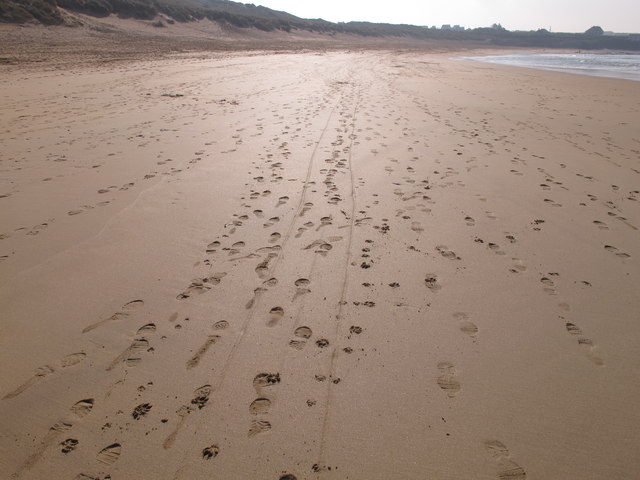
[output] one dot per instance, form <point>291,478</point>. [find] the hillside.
<point>165,13</point>
<point>50,12</point>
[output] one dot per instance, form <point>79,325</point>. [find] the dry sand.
<point>344,265</point>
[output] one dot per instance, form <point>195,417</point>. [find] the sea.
<point>626,66</point>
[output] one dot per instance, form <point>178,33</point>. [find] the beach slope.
<point>340,265</point>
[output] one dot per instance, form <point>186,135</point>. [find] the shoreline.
<point>601,72</point>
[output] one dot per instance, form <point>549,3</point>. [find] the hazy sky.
<point>557,15</point>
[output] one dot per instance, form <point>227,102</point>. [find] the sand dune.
<point>346,265</point>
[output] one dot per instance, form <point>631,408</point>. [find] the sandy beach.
<point>318,265</point>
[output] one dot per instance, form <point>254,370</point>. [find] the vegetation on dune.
<point>22,11</point>
<point>241,15</point>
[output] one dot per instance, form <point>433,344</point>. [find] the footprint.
<point>469,328</point>
<point>314,244</point>
<point>199,401</point>
<point>72,359</point>
<point>133,305</point>
<point>68,445</point>
<point>612,249</point>
<point>585,343</point>
<point>306,207</point>
<point>303,332</point>
<point>548,285</point>
<point>354,330</point>
<point>275,314</point>
<point>301,287</point>
<point>589,348</point>
<point>201,396</point>
<point>41,372</point>
<point>320,246</point>
<point>130,355</point>
<point>496,449</point>
<point>511,471</point>
<point>210,452</point>
<point>141,410</point>
<point>83,407</point>
<point>148,328</point>
<point>431,281</point>
<point>518,266</point>
<point>297,344</point>
<point>446,253</point>
<point>182,413</point>
<point>274,237</point>
<point>258,427</point>
<point>263,380</point>
<point>49,439</point>
<point>110,454</point>
<point>260,406</point>
<point>37,229</point>
<point>573,329</point>
<point>195,360</point>
<point>447,381</point>
<point>537,222</point>
<point>417,227</point>
<point>263,267</point>
<point>507,468</point>
<point>127,307</point>
<point>600,225</point>
<point>271,282</point>
<point>324,221</point>
<point>212,247</point>
<point>115,316</point>
<point>201,285</point>
<point>256,293</point>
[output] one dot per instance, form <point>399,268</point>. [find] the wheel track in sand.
<point>257,302</point>
<point>343,294</point>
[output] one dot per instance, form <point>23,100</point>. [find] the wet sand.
<point>341,265</point>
